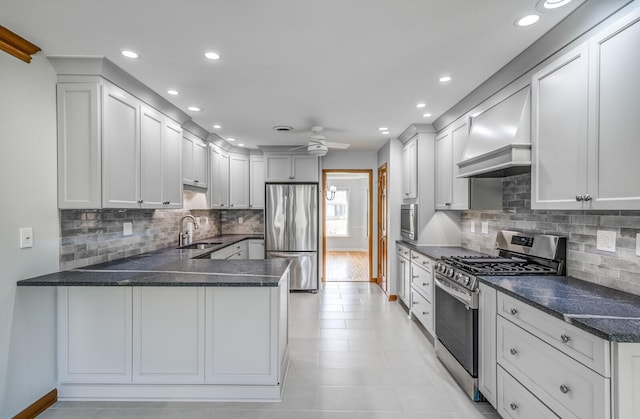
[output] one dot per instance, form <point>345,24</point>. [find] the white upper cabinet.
<point>219,182</point>
<point>452,193</point>
<point>410,169</point>
<point>194,162</point>
<point>171,168</point>
<point>585,124</point>
<point>238,181</point>
<point>291,167</point>
<point>256,182</point>
<point>151,127</point>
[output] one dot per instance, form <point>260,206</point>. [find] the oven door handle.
<point>465,299</point>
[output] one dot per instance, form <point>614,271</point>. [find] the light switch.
<point>26,237</point>
<point>638,244</point>
<point>606,240</point>
<point>485,227</point>
<point>240,220</point>
<point>127,229</point>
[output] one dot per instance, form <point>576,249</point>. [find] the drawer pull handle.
<point>416,276</point>
<point>424,313</point>
<point>565,338</point>
<point>513,351</point>
<point>425,284</point>
<point>564,389</point>
<point>514,311</point>
<point>513,406</point>
<point>414,303</point>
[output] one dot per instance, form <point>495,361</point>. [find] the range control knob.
<point>466,280</point>
<point>449,273</point>
<point>436,266</point>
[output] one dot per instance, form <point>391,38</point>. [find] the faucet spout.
<point>181,235</point>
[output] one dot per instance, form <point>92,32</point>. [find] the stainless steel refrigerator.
<point>291,230</point>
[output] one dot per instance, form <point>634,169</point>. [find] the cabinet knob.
<point>579,198</point>
<point>587,197</point>
<point>564,389</point>
<point>425,284</point>
<point>414,303</point>
<point>447,203</point>
<point>514,311</point>
<point>565,338</point>
<point>231,205</point>
<point>291,177</point>
<point>513,351</point>
<point>196,180</point>
<point>415,276</point>
<point>424,313</point>
<point>140,201</point>
<point>513,406</point>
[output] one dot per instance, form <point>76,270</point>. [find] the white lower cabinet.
<point>487,383</point>
<point>238,250</point>
<point>403,277</point>
<point>422,309</point>
<point>422,302</point>
<point>168,330</point>
<point>256,249</point>
<point>515,402</point>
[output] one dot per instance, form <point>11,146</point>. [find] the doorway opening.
<point>346,225</point>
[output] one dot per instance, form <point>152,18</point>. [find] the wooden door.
<point>382,228</point>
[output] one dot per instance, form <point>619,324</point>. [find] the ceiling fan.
<point>318,145</point>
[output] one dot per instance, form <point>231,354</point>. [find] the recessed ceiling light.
<point>426,115</point>
<point>172,92</point>
<point>527,20</point>
<point>444,79</point>
<point>241,145</point>
<point>212,55</point>
<point>216,126</point>
<point>194,108</point>
<point>129,54</point>
<point>554,4</point>
<point>421,105</point>
<point>383,129</point>
<point>385,132</point>
<point>231,139</point>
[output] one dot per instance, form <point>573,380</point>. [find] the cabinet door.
<point>304,168</point>
<point>238,181</point>
<point>121,149</point>
<point>559,132</point>
<point>459,187</point>
<point>200,164</point>
<point>410,169</point>
<point>614,103</point>
<point>278,167</point>
<point>256,249</point>
<point>256,182</point>
<point>151,133</point>
<point>171,165</point>
<point>79,145</point>
<point>168,335</point>
<point>224,180</point>
<point>443,171</point>
<point>94,334</point>
<point>187,161</point>
<point>487,366</point>
<point>219,183</point>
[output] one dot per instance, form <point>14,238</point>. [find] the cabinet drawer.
<point>516,402</point>
<point>569,388</point>
<point>422,309</point>
<point>403,251</point>
<point>421,260</point>
<point>584,347</point>
<point>421,280</point>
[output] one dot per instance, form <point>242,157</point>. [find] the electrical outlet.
<point>127,229</point>
<point>606,240</point>
<point>198,220</point>
<point>638,244</point>
<point>26,237</point>
<point>240,220</point>
<point>472,228</point>
<point>485,227</point>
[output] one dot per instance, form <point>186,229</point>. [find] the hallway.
<point>347,266</point>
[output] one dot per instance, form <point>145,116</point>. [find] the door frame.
<point>369,172</point>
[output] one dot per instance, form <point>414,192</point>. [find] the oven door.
<point>457,323</point>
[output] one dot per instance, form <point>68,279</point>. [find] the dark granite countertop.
<point>174,267</point>
<point>437,252</point>
<point>605,312</point>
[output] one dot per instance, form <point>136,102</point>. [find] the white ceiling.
<point>349,65</point>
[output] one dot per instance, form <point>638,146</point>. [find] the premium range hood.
<point>500,139</point>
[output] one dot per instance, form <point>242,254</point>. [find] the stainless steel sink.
<point>199,246</point>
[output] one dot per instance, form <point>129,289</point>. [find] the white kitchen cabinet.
<point>194,162</point>
<point>626,380</point>
<point>238,250</point>
<point>256,249</point>
<point>79,145</point>
<point>168,334</point>
<point>238,181</point>
<point>421,283</point>
<point>256,181</point>
<point>487,366</point>
<point>171,167</point>
<point>410,169</point>
<point>94,334</point>
<point>585,124</point>
<point>404,274</point>
<point>516,402</point>
<point>452,193</point>
<point>219,182</point>
<point>291,167</point>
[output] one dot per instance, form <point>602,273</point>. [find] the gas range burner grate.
<point>483,265</point>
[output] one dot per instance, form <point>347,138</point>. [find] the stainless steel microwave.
<point>409,221</point>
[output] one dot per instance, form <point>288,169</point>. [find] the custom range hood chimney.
<point>500,139</point>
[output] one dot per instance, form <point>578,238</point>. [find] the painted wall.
<point>357,240</point>
<point>29,199</point>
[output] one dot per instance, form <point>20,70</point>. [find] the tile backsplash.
<point>619,269</point>
<point>252,221</point>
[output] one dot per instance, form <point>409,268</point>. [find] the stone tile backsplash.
<point>620,270</point>
<point>252,221</point>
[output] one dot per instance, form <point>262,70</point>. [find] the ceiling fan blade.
<point>342,146</point>
<point>298,147</point>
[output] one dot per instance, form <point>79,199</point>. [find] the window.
<point>338,214</point>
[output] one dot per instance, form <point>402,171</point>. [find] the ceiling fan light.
<point>317,149</point>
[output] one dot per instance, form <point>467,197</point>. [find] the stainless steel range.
<point>457,295</point>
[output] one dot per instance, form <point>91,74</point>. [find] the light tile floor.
<point>354,355</point>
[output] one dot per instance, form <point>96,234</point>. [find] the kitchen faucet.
<point>181,235</point>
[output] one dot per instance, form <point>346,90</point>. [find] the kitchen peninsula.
<point>172,325</point>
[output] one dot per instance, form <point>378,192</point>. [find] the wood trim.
<point>393,297</point>
<point>38,406</point>
<point>17,46</point>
